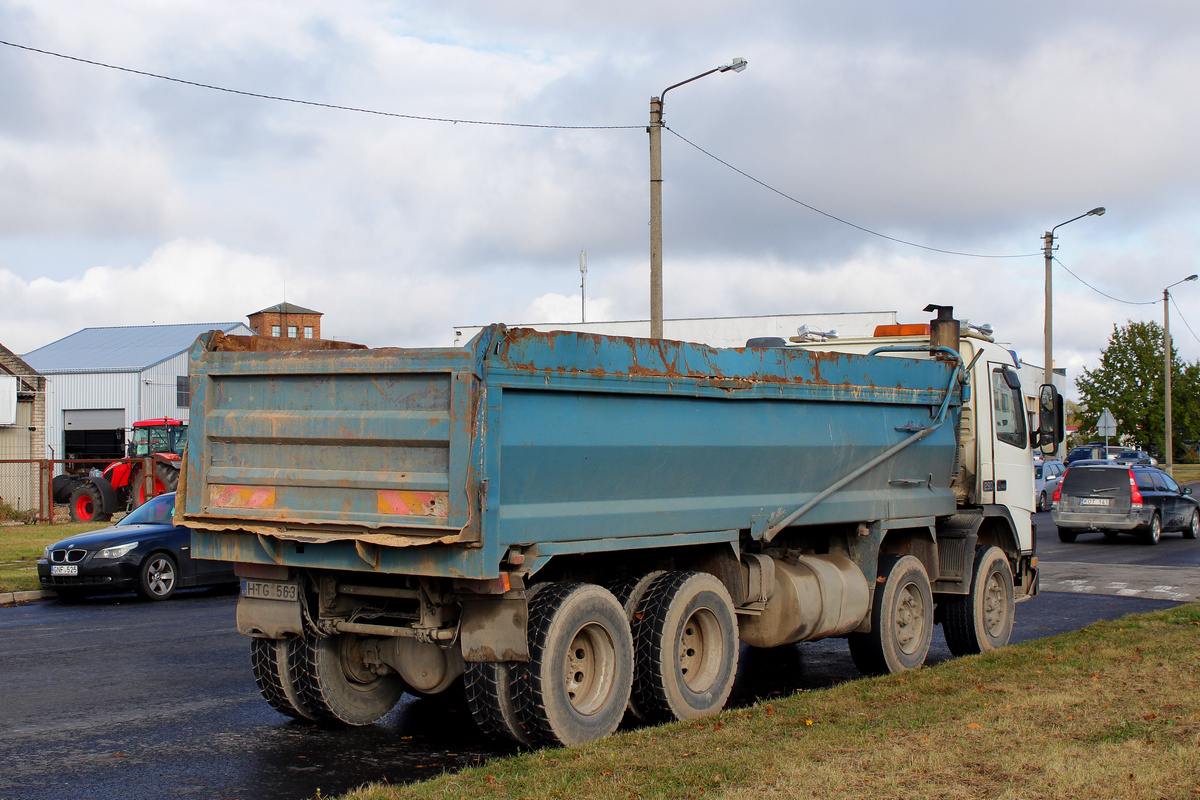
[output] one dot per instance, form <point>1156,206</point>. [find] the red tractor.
<point>120,486</point>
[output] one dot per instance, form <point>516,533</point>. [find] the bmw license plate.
<point>269,590</point>
<point>1094,501</point>
<point>64,569</point>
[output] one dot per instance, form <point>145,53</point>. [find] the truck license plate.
<point>1094,501</point>
<point>64,569</point>
<point>269,590</point>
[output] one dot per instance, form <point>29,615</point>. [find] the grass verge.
<point>1111,711</point>
<point>1186,473</point>
<point>21,546</point>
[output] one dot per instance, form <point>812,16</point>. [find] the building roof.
<point>12,364</point>
<point>287,308</point>
<point>123,349</point>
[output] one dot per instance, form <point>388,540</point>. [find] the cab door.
<point>1012,464</point>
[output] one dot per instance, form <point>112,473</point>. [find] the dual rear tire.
<point>323,679</point>
<point>587,663</point>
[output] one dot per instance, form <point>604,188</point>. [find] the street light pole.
<point>1168,455</point>
<point>1048,245</point>
<point>655,131</point>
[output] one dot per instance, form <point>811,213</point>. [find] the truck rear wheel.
<point>686,641</point>
<point>629,591</point>
<point>336,685</point>
<point>269,659</point>
<point>87,504</point>
<point>901,619</point>
<point>982,620</point>
<point>488,689</point>
<point>576,685</point>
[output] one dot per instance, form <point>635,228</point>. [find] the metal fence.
<point>27,484</point>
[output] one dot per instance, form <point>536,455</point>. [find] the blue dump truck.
<point>567,527</point>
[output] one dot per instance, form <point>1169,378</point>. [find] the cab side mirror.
<point>1051,420</point>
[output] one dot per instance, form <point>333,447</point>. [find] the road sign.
<point>1107,425</point>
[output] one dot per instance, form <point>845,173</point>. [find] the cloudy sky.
<point>130,200</point>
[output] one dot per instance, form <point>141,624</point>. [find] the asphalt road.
<point>118,698</point>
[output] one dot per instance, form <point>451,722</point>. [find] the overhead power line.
<point>1101,292</point>
<point>311,102</point>
<point>826,214</point>
<point>452,120</point>
<point>1183,319</point>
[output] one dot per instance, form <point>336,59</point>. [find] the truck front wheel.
<point>269,659</point>
<point>982,620</point>
<point>901,619</point>
<point>576,685</point>
<point>686,640</point>
<point>336,685</point>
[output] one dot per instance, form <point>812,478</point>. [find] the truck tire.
<point>982,620</point>
<point>686,644</point>
<point>1066,536</point>
<point>901,619</point>
<point>629,591</point>
<point>269,660</point>
<point>335,685</point>
<point>576,685</point>
<point>87,504</point>
<point>488,689</point>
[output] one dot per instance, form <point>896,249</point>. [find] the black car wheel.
<point>157,577</point>
<point>1041,503</point>
<point>1193,527</point>
<point>1154,535</point>
<point>1066,536</point>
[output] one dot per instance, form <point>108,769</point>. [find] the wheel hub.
<point>910,619</point>
<point>589,668</point>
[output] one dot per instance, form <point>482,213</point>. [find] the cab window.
<point>1008,412</point>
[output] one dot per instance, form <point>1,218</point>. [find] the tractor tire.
<point>87,504</point>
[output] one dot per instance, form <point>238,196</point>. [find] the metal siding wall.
<point>18,482</point>
<point>157,386</point>
<point>87,390</point>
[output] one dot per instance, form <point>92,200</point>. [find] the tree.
<point>1129,382</point>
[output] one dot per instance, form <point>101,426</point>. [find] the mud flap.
<point>268,618</point>
<point>494,629</point>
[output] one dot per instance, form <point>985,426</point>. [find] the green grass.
<point>1186,473</point>
<point>1112,711</point>
<point>21,546</point>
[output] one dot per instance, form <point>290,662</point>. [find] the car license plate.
<point>64,569</point>
<point>1094,501</point>
<point>269,590</point>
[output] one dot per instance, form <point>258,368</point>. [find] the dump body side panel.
<point>571,442</point>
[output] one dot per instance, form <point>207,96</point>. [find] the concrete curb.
<point>12,598</point>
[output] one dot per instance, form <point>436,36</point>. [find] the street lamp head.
<point>1096,212</point>
<point>739,64</point>
<point>1190,278</point>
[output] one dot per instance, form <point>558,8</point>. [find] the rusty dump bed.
<point>435,461</point>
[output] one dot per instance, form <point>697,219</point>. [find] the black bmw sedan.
<point>144,552</point>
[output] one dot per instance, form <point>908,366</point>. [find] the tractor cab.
<point>157,436</point>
